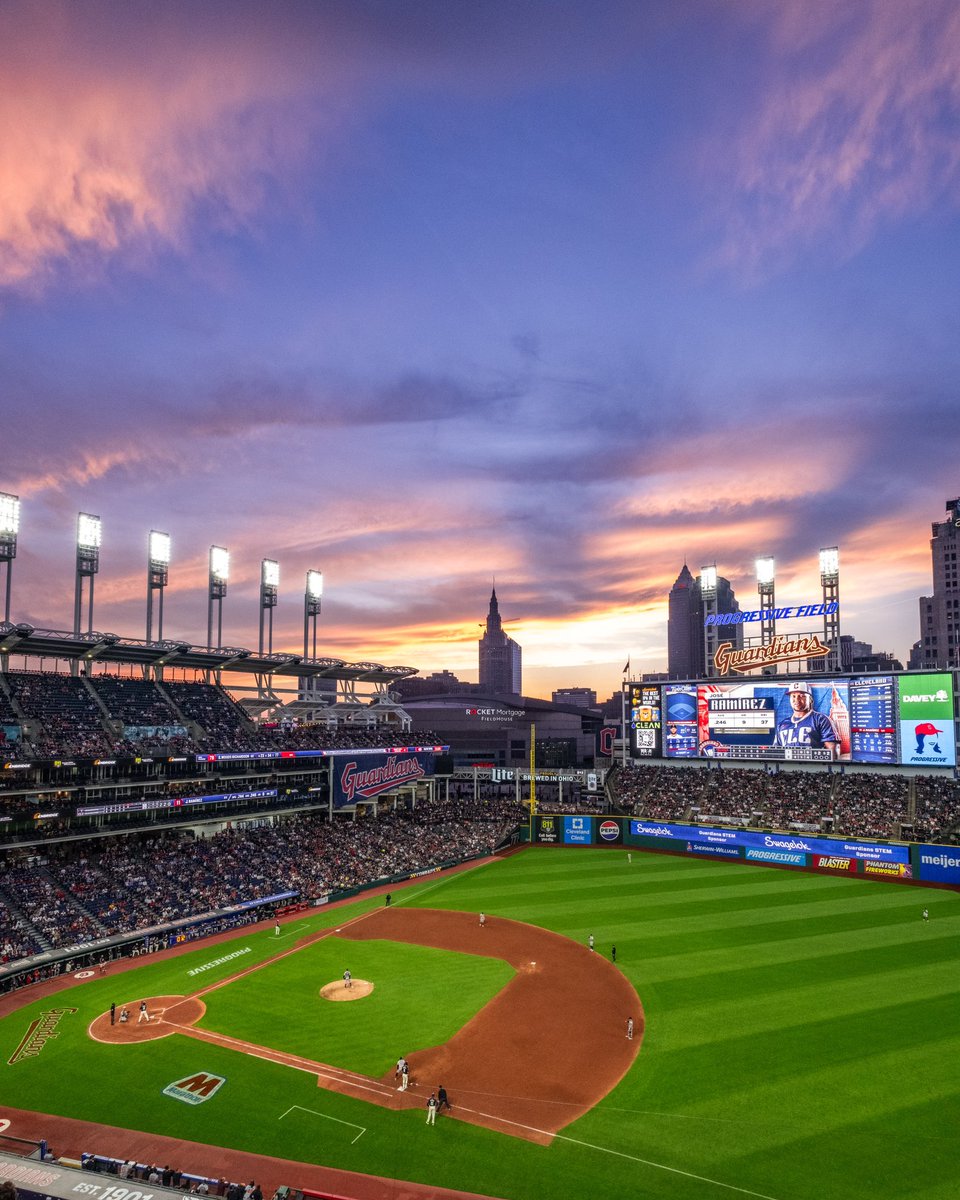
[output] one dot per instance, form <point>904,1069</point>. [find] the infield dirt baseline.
<point>540,1054</point>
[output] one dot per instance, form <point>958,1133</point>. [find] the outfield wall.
<point>901,862</point>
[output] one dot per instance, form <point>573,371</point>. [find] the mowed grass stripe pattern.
<point>801,1042</point>
<point>800,1028</point>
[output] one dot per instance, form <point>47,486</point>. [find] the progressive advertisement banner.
<point>926,721</point>
<point>790,843</point>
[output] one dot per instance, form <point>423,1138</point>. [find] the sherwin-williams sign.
<point>926,721</point>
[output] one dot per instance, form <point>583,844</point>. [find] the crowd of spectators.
<point>657,793</point>
<point>860,804</point>
<point>122,885</point>
<point>797,800</point>
<point>869,804</point>
<point>937,808</point>
<point>67,718</point>
<point>48,908</point>
<point>107,715</point>
<point>735,795</point>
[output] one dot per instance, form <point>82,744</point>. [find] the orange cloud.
<point>112,136</point>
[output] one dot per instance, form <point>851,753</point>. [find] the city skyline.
<point>423,297</point>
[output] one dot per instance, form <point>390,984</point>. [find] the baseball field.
<point>796,1036</point>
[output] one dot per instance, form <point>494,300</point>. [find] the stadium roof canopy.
<point>120,651</point>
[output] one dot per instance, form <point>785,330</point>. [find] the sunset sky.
<point>423,294</point>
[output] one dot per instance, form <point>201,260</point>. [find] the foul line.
<point>321,934</point>
<point>327,1118</point>
<point>621,1154</point>
<point>278,937</point>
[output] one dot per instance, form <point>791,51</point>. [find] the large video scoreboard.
<point>896,720</point>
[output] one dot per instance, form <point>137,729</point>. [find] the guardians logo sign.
<point>362,779</point>
<point>781,649</point>
<point>38,1033</point>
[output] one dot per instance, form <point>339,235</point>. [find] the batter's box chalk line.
<point>314,1112</point>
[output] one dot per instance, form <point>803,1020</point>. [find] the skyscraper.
<point>499,656</point>
<point>939,642</point>
<point>717,597</point>
<point>685,628</point>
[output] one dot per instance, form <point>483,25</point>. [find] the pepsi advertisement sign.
<point>789,843</point>
<point>577,831</point>
<point>608,832</point>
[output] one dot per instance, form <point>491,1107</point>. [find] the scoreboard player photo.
<point>791,722</point>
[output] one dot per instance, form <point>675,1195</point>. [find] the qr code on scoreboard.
<point>646,739</point>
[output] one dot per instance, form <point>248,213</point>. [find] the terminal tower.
<point>499,656</point>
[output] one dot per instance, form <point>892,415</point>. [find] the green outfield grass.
<point>802,1038</point>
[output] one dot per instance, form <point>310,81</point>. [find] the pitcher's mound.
<point>338,990</point>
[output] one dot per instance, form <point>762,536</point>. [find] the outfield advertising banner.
<point>790,843</point>
<point>777,856</point>
<point>577,831</point>
<point>548,830</point>
<point>366,776</point>
<point>708,848</point>
<point>609,833</point>
<point>926,721</point>
<point>939,864</point>
<point>834,862</point>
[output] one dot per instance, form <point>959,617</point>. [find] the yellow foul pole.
<point>533,780</point>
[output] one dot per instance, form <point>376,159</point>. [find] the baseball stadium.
<point>311,953</point>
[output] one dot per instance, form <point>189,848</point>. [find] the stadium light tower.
<point>766,576</point>
<point>312,603</point>
<point>216,590</point>
<point>89,531</point>
<point>830,585</point>
<point>9,528</point>
<point>158,565</point>
<point>269,587</point>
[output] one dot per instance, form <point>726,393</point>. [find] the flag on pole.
<point>626,667</point>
